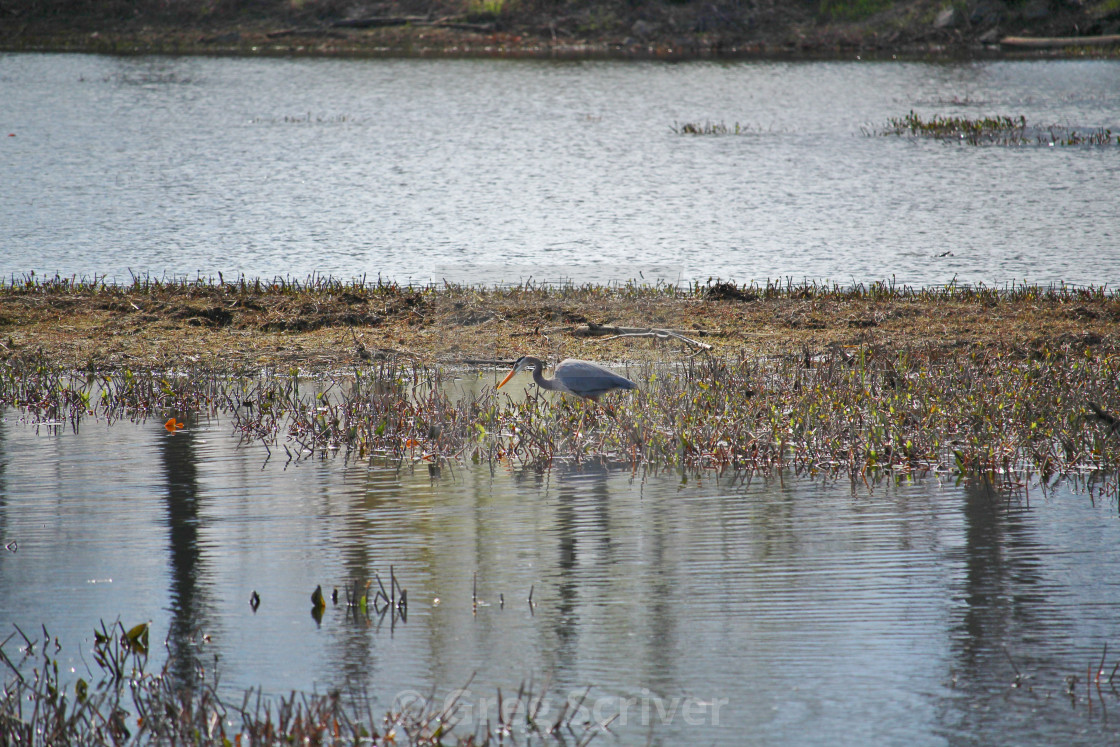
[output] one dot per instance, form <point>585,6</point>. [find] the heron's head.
<point>521,364</point>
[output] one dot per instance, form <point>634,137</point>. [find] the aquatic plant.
<point>124,703</point>
<point>861,411</point>
<point>953,127</point>
<point>862,403</point>
<point>994,130</point>
<point>709,128</point>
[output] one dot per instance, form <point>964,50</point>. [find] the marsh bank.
<point>576,28</point>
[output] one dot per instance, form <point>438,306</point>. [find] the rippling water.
<point>489,171</point>
<point>710,611</point>
<point>706,610</point>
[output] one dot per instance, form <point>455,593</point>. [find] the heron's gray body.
<point>581,378</point>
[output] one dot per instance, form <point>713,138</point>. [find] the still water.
<point>708,611</point>
<point>484,171</point>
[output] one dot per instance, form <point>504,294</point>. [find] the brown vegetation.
<point>330,325</point>
<point>865,381</point>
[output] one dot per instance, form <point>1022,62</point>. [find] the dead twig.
<point>661,334</point>
<point>591,329</point>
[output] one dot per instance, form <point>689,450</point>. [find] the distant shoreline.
<point>259,45</point>
<point>539,36</point>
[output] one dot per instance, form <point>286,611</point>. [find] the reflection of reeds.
<point>860,412</point>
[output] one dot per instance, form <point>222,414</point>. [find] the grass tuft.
<point>125,703</point>
<point>995,130</point>
<point>710,128</point>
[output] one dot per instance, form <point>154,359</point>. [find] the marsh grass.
<point>325,287</point>
<point>124,702</point>
<point>320,325</point>
<point>995,130</point>
<point>711,128</point>
<point>292,305</point>
<point>862,412</point>
<point>1030,395</point>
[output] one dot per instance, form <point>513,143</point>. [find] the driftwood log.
<point>327,33</point>
<point>1059,42</point>
<point>373,22</point>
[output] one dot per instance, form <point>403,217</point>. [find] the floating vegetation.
<point>995,130</point>
<point>362,605</point>
<point>123,703</point>
<point>953,127</point>
<point>711,128</point>
<point>309,118</point>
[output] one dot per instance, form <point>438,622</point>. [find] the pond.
<point>485,171</point>
<point>690,608</point>
<point>699,609</point>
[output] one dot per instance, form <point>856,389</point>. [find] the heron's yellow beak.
<point>507,378</point>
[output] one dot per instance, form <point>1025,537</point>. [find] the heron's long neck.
<point>541,381</point>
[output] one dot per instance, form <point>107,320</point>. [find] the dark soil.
<point>575,28</point>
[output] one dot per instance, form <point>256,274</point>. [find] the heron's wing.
<point>589,379</point>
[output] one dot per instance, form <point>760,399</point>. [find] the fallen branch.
<point>1105,417</point>
<point>591,329</point>
<point>282,33</point>
<point>1058,42</point>
<point>661,334</point>
<point>482,28</point>
<point>373,22</point>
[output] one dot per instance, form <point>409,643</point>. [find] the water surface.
<point>485,171</point>
<point>709,610</point>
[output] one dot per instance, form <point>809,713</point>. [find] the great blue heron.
<point>581,378</point>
